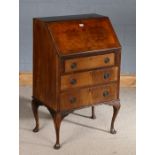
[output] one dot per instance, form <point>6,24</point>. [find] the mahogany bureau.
<point>76,64</point>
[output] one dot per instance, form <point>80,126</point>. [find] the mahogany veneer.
<point>76,64</point>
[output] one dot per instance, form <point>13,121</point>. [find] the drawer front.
<point>87,96</point>
<point>90,62</point>
<point>89,78</point>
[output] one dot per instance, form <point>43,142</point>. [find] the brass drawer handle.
<point>106,75</point>
<point>72,100</point>
<point>73,81</point>
<point>106,60</point>
<point>74,65</point>
<point>105,93</point>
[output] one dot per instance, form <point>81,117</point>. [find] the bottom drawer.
<point>88,96</point>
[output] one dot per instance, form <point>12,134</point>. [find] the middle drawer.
<point>88,78</point>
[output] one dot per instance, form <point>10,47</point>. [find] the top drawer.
<point>90,62</point>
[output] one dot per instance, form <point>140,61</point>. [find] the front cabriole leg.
<point>35,106</point>
<point>57,119</point>
<point>116,107</point>
<point>57,122</point>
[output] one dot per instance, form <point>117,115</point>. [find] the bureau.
<point>76,64</point>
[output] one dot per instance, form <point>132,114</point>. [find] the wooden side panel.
<point>118,63</point>
<point>89,78</point>
<point>90,62</point>
<point>44,65</point>
<point>87,96</point>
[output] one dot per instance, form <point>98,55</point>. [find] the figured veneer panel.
<point>77,36</point>
<point>89,62</point>
<point>87,96</point>
<point>45,64</point>
<point>89,78</point>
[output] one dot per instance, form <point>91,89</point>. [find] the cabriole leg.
<point>116,108</point>
<point>93,113</point>
<point>57,118</point>
<point>35,107</point>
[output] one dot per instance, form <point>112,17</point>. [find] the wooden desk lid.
<point>82,33</point>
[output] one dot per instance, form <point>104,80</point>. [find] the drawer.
<point>87,96</point>
<point>99,76</point>
<point>90,62</point>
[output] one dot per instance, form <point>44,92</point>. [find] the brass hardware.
<point>73,81</point>
<point>105,93</point>
<point>72,99</point>
<point>74,65</point>
<point>106,60</point>
<point>106,75</point>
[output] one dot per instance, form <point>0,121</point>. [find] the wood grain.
<point>89,78</point>
<point>94,34</point>
<point>45,66</point>
<point>87,96</point>
<point>90,62</point>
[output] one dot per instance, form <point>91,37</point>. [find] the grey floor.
<point>79,134</point>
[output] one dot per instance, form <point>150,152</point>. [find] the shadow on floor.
<point>87,126</point>
<point>78,133</point>
<point>81,115</point>
<point>25,111</point>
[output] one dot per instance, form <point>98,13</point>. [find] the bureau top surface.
<point>70,17</point>
<point>84,33</point>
